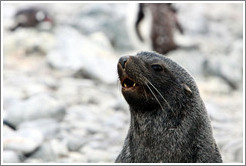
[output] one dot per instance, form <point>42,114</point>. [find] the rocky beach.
<point>61,90</point>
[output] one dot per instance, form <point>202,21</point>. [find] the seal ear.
<point>187,89</point>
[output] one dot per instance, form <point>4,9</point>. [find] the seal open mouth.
<point>128,83</point>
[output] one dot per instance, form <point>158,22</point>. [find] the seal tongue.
<point>127,83</point>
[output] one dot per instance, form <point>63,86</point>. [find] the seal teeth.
<point>128,83</point>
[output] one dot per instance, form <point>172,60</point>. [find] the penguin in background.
<point>155,25</point>
<point>30,17</point>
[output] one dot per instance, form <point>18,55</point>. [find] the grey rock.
<point>59,147</point>
<point>36,107</point>
<point>73,157</point>
<point>74,143</point>
<point>50,151</point>
<point>108,18</point>
<point>214,85</point>
<point>77,157</point>
<point>216,115</point>
<point>223,67</point>
<point>24,141</point>
<point>10,157</point>
<point>80,91</point>
<point>183,58</point>
<point>45,153</point>
<point>89,57</point>
<point>32,160</point>
<point>197,23</point>
<point>37,43</point>
<point>48,127</point>
<point>96,155</point>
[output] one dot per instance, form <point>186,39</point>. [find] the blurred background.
<point>62,100</point>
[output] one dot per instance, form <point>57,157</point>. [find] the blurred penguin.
<point>30,17</point>
<point>154,26</point>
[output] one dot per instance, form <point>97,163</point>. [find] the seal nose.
<point>123,61</point>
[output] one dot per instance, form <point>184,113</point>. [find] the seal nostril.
<point>123,61</point>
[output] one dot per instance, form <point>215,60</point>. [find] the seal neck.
<point>155,121</point>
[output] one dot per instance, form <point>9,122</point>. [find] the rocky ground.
<point>60,86</point>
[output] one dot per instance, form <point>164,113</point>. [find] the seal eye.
<point>157,67</point>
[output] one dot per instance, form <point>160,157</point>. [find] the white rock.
<point>108,18</point>
<point>77,52</point>
<point>33,160</point>
<point>223,66</point>
<point>59,148</point>
<point>36,107</point>
<point>77,157</point>
<point>96,155</point>
<point>10,157</point>
<point>45,153</point>
<point>25,141</point>
<point>74,143</point>
<point>48,127</point>
<point>183,58</point>
<point>36,39</point>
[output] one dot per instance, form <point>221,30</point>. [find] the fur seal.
<point>169,121</point>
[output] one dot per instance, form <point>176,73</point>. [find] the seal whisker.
<point>154,96</point>
<point>159,93</point>
<point>145,94</point>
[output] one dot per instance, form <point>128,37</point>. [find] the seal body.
<point>169,122</point>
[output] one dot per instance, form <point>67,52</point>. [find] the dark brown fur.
<point>169,122</point>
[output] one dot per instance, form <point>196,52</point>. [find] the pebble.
<point>77,157</point>
<point>23,140</point>
<point>74,143</point>
<point>96,155</point>
<point>59,148</point>
<point>89,58</point>
<point>36,107</point>
<point>45,153</point>
<point>9,156</point>
<point>48,127</point>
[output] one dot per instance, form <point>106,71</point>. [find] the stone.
<point>31,160</point>
<point>215,85</point>
<point>36,107</point>
<point>44,153</point>
<point>222,67</point>
<point>37,43</point>
<point>109,18</point>
<point>183,58</point>
<point>24,141</point>
<point>96,155</point>
<point>77,157</point>
<point>9,156</point>
<point>90,58</point>
<point>59,147</point>
<point>47,126</point>
<point>74,143</point>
